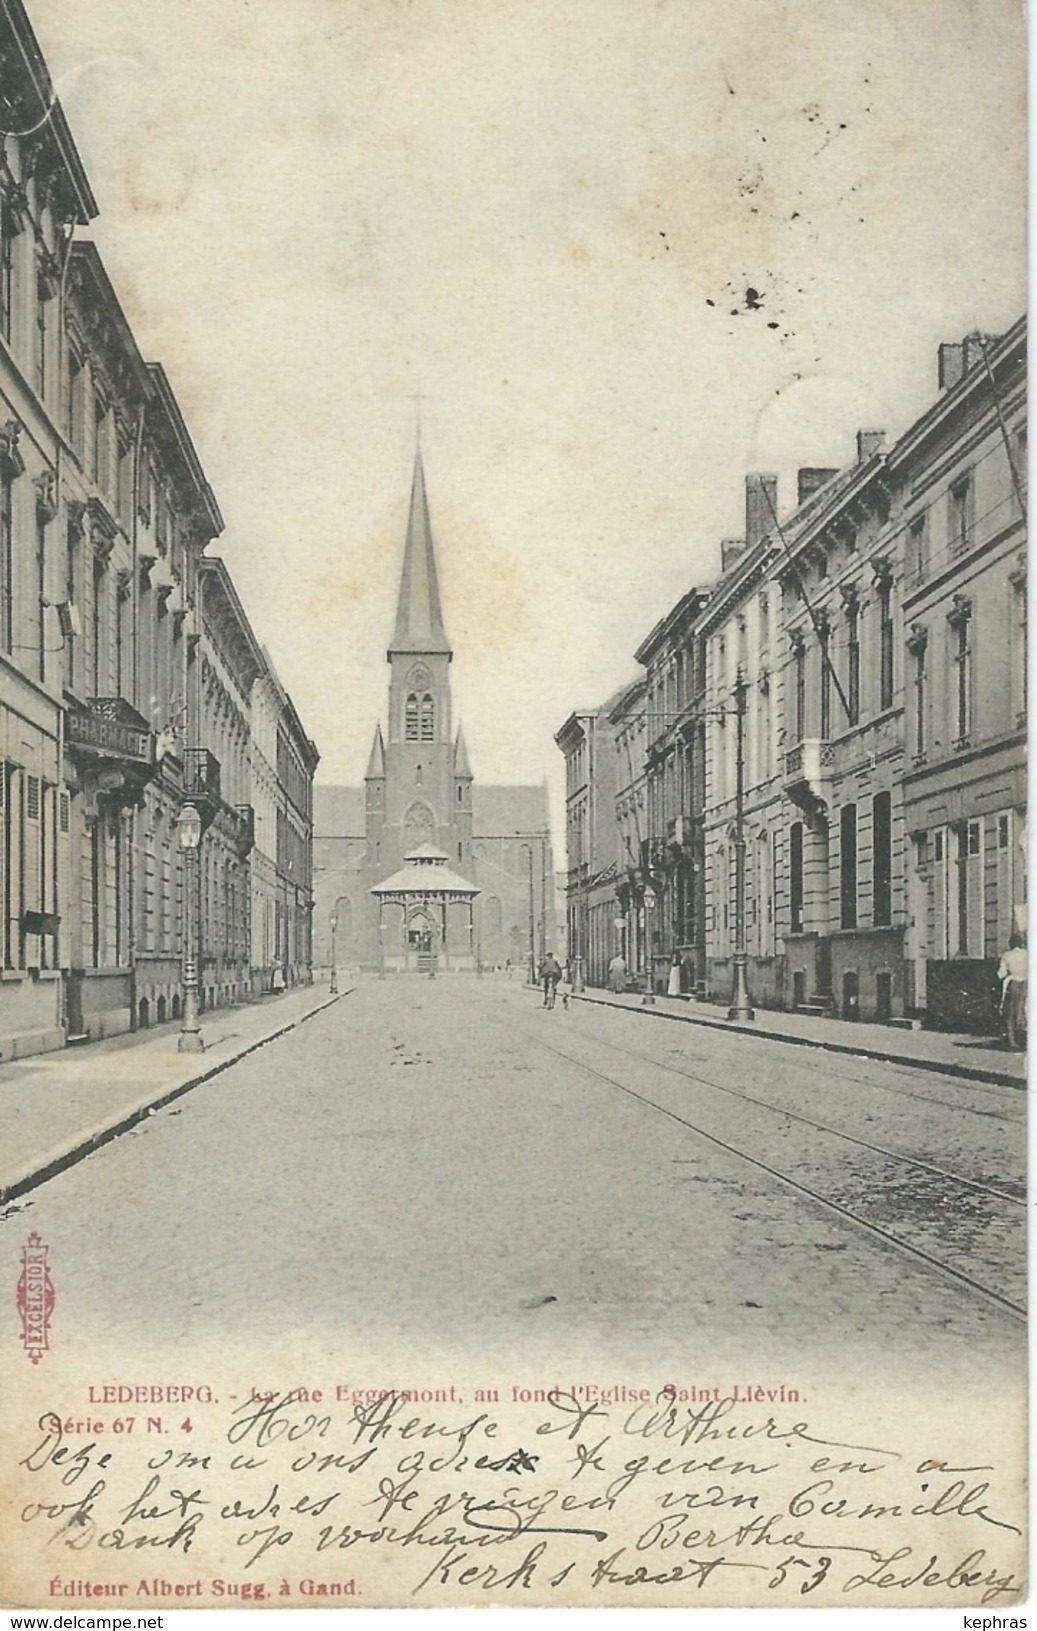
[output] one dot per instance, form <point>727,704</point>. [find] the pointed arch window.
<point>410,718</point>
<point>428,718</point>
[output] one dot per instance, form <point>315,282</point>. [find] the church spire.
<point>376,763</point>
<point>462,768</point>
<point>419,617</point>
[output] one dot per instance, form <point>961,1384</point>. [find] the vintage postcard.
<point>513,816</point>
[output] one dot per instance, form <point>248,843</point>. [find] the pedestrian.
<point>673,984</point>
<point>550,974</point>
<point>277,977</point>
<point>618,973</point>
<point>1012,971</point>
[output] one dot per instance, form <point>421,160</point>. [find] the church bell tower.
<point>420,785</point>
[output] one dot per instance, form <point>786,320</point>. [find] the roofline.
<point>87,257</point>
<point>949,401</point>
<point>215,566</point>
<point>166,400</point>
<point>50,109</point>
<point>670,620</point>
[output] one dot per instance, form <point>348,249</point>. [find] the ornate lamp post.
<point>741,1008</point>
<point>189,835</point>
<point>648,999</point>
<point>333,925</point>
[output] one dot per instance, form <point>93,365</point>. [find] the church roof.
<point>419,615</point>
<point>339,812</point>
<point>501,812</point>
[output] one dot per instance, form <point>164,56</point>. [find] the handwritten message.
<point>574,1495</point>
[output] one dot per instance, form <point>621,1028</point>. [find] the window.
<point>71,578</point>
<point>7,237</point>
<point>853,662</point>
<point>882,853</point>
<point>41,592</point>
<point>966,880</point>
<point>799,651</point>
<point>102,444</point>
<point>918,546</point>
<point>40,334</point>
<point>100,587</point>
<point>75,390</point>
<point>961,670</point>
<point>918,647</point>
<point>410,728</point>
<point>848,867</point>
<point>428,718</point>
<point>885,647</point>
<point>1011,874</point>
<point>826,680</point>
<point>6,563</point>
<point>796,876</point>
<point>959,524</point>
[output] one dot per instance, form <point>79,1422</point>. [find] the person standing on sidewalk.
<point>618,973</point>
<point>673,983</point>
<point>1012,972</point>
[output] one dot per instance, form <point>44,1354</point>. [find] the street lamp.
<point>741,1008</point>
<point>333,987</point>
<point>532,917</point>
<point>189,837</point>
<point>648,999</point>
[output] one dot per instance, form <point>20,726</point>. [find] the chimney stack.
<point>730,549</point>
<point>761,506</point>
<point>951,363</point>
<point>974,347</point>
<point>810,479</point>
<point>869,442</point>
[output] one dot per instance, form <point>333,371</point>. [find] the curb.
<point>125,1120</point>
<point>971,1073</point>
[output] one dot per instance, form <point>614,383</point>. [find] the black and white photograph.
<point>513,806</point>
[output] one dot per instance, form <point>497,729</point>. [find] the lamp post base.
<point>648,999</point>
<point>333,987</point>
<point>190,1042</point>
<point>741,1008</point>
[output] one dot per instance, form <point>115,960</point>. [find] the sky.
<point>616,253</point>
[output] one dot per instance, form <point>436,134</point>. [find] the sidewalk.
<point>56,1108</point>
<point>977,1059</point>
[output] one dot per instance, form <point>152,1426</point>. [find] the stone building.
<point>960,474</point>
<point>124,693</point>
<point>420,794</point>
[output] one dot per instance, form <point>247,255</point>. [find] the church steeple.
<point>376,763</point>
<point>419,616</point>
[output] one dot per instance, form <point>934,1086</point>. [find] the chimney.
<point>951,363</point>
<point>869,442</point>
<point>974,347</point>
<point>761,506</point>
<point>730,549</point>
<point>810,479</point>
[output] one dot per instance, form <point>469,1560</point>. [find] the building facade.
<point>123,695</point>
<point>859,667</point>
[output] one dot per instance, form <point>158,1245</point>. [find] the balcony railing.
<point>201,775</point>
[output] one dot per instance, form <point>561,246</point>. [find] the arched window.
<point>410,718</point>
<point>428,718</point>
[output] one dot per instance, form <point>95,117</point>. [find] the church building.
<point>424,863</point>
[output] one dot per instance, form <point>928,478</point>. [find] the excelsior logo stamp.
<point>35,1298</point>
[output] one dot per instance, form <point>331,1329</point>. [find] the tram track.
<point>947,1212</point>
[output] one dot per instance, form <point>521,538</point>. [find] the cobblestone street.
<point>443,1161</point>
